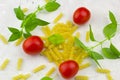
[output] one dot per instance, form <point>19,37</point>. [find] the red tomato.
<point>81,15</point>
<point>33,45</point>
<point>68,69</point>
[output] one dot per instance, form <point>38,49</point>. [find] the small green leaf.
<point>26,35</point>
<point>27,19</point>
<point>91,34</point>
<point>52,6</point>
<point>14,36</point>
<point>110,30</point>
<point>13,30</point>
<point>114,49</point>
<point>80,44</point>
<point>46,78</point>
<point>19,13</point>
<point>108,53</point>
<point>56,39</point>
<point>112,18</point>
<point>95,56</point>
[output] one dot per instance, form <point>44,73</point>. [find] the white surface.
<point>99,10</point>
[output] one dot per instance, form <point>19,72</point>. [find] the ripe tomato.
<point>81,15</point>
<point>33,45</point>
<point>68,69</point>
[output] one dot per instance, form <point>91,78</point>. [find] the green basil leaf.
<point>46,78</point>
<point>14,36</point>
<point>95,56</point>
<point>13,30</point>
<point>112,18</point>
<point>114,49</point>
<point>91,34</point>
<point>80,44</point>
<point>33,23</point>
<point>52,6</point>
<point>56,39</point>
<point>19,13</point>
<point>28,18</point>
<point>26,35</point>
<point>110,30</point>
<point>109,54</point>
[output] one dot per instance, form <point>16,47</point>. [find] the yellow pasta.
<point>19,63</point>
<point>58,18</point>
<point>84,66</point>
<point>87,36</point>
<point>51,71</point>
<point>102,70</point>
<point>4,64</point>
<point>25,10</point>
<point>19,41</point>
<point>21,77</point>
<point>81,77</point>
<point>4,40</point>
<point>77,34</point>
<point>39,68</point>
<point>109,77</point>
<point>46,1</point>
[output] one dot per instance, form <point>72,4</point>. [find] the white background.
<point>99,18</point>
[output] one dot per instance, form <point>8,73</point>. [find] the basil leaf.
<point>26,35</point>
<point>13,30</point>
<point>52,6</point>
<point>112,17</point>
<point>80,44</point>
<point>19,13</point>
<point>46,78</point>
<point>108,53</point>
<point>56,39</point>
<point>110,30</point>
<point>28,18</point>
<point>114,49</point>
<point>91,34</point>
<point>14,36</point>
<point>95,56</point>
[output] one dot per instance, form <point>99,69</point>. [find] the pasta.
<point>84,66</point>
<point>19,63</point>
<point>58,18</point>
<point>4,40</point>
<point>109,77</point>
<point>50,72</point>
<point>87,36</point>
<point>80,77</point>
<point>102,70</point>
<point>4,64</point>
<point>19,41</point>
<point>39,68</point>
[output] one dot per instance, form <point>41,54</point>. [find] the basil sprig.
<point>30,21</point>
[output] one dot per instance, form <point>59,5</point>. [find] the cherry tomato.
<point>33,45</point>
<point>68,69</point>
<point>81,15</point>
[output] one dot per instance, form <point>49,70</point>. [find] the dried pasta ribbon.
<point>19,63</point>
<point>4,40</point>
<point>80,77</point>
<point>102,70</point>
<point>87,36</point>
<point>25,10</point>
<point>58,18</point>
<point>51,71</point>
<point>19,41</point>
<point>84,66</point>
<point>4,64</point>
<point>109,77</point>
<point>39,68</point>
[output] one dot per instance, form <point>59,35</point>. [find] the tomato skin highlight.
<point>33,45</point>
<point>68,69</point>
<point>81,15</point>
